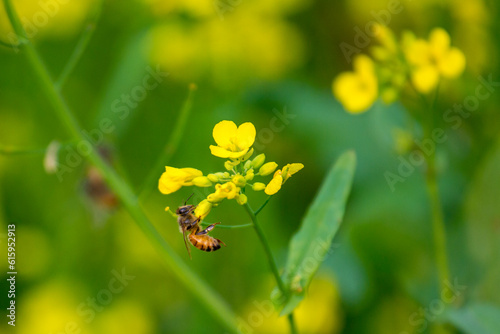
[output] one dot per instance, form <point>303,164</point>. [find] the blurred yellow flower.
<point>319,313</point>
<point>220,42</point>
<point>47,18</point>
<point>125,316</point>
<point>430,60</point>
<point>51,308</point>
<point>175,178</point>
<point>357,90</point>
<point>232,141</point>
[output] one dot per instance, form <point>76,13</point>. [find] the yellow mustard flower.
<point>357,90</point>
<point>430,60</point>
<point>232,141</point>
<point>174,178</point>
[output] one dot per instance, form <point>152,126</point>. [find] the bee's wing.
<point>186,243</point>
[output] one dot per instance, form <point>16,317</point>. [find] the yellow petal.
<point>167,185</point>
<point>245,135</point>
<point>425,78</point>
<point>418,52</point>
<point>223,132</point>
<point>439,42</point>
<point>363,66</point>
<point>219,151</point>
<point>236,155</point>
<point>294,168</point>
<point>274,186</point>
<point>358,90</point>
<point>453,64</point>
<point>192,172</point>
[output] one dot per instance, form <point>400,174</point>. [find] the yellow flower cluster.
<point>384,75</point>
<point>216,40</point>
<point>235,144</point>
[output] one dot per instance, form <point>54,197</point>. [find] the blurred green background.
<point>252,60</point>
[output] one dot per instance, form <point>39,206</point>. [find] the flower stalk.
<point>270,258</point>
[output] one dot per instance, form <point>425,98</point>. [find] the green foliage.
<point>312,242</point>
<point>476,318</point>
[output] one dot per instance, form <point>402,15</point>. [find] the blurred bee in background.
<point>198,237</point>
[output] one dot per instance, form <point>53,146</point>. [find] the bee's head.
<point>184,210</point>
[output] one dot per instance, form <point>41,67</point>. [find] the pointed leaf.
<point>311,243</point>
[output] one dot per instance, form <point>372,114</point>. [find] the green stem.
<point>186,276</point>
<point>229,226</point>
<point>81,45</point>
<point>438,224</point>
<point>171,146</point>
<point>8,45</point>
<point>262,206</point>
<point>270,259</point>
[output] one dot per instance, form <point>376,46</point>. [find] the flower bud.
<point>216,197</point>
<point>239,180</point>
<point>258,186</point>
<point>248,155</point>
<point>202,181</point>
<point>229,165</point>
<point>258,160</point>
<point>249,176</point>
<point>247,165</point>
<point>213,177</point>
<point>268,168</point>
<point>241,199</point>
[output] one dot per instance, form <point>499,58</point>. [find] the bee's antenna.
<point>188,198</point>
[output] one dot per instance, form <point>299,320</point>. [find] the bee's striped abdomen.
<point>205,243</point>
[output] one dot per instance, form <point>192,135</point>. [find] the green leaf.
<point>476,318</point>
<point>311,243</point>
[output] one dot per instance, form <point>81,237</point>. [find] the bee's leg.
<point>196,222</point>
<point>208,229</point>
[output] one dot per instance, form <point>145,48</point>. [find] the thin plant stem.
<point>270,259</point>
<point>81,45</point>
<point>171,145</point>
<point>8,45</point>
<point>187,277</point>
<point>438,224</point>
<point>229,226</point>
<point>262,206</point>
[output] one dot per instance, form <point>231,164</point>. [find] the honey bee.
<point>198,237</point>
